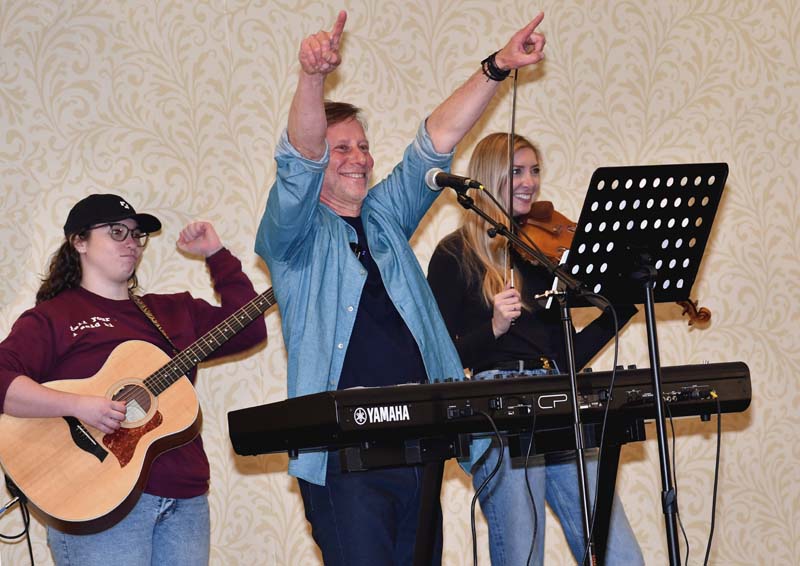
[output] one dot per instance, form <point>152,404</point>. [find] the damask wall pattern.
<point>178,105</point>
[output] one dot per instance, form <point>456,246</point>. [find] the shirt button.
<point>363,272</point>
<point>340,345</point>
<point>350,308</point>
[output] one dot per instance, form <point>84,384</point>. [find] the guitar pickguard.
<point>122,443</point>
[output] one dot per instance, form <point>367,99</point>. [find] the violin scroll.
<point>699,316</point>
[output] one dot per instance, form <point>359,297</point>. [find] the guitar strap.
<point>152,318</point>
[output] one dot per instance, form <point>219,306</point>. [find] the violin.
<point>552,231</point>
<point>553,234</point>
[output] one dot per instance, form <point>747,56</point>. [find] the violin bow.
<point>510,177</point>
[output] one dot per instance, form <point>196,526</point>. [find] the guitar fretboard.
<point>207,344</point>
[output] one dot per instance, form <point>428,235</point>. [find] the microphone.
<point>436,179</point>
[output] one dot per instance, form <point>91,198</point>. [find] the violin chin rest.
<point>541,210</point>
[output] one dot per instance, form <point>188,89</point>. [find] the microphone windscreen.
<point>430,179</point>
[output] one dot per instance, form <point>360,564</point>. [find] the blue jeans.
<point>157,531</point>
<point>506,503</point>
<point>509,514</point>
<point>366,518</point>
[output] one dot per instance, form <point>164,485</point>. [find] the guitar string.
<point>162,378</point>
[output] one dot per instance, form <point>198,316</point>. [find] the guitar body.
<point>82,479</point>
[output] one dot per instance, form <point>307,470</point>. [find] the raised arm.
<point>199,238</point>
<point>454,117</point>
<point>319,56</point>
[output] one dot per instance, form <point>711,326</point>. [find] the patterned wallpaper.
<point>178,105</point>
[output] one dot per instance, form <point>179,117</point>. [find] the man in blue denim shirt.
<point>356,308</point>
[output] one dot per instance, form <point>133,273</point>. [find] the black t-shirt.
<point>382,350</point>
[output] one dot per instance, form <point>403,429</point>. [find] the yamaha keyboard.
<point>408,414</point>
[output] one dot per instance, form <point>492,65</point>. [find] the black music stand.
<point>642,233</point>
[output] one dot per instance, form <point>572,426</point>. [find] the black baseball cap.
<point>103,208</point>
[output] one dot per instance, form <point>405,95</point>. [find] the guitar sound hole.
<point>137,402</point>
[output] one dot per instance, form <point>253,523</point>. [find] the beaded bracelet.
<point>492,71</point>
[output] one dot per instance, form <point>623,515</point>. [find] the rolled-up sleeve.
<point>292,200</point>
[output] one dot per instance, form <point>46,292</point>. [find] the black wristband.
<point>492,71</point>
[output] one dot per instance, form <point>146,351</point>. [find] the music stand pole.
<point>669,500</point>
<point>574,286</point>
<point>577,425</point>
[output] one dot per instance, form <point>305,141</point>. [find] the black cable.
<point>528,484</point>
<point>675,483</point>
<point>716,476</point>
<point>19,497</point>
<point>5,508</point>
<point>13,538</point>
<point>26,522</point>
<point>483,485</point>
<point>605,420</point>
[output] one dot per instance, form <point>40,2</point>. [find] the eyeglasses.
<point>119,232</point>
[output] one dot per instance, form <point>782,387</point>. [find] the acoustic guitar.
<point>83,480</point>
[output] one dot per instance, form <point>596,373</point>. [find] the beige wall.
<point>178,105</point>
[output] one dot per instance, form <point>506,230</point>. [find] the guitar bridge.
<point>84,440</point>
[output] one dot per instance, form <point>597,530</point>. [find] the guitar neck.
<point>207,344</point>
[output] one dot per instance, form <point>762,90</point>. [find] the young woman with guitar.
<point>499,330</point>
<point>84,353</point>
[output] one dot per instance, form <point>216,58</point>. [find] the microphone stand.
<point>572,285</point>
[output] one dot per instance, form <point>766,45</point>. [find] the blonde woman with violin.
<point>499,330</point>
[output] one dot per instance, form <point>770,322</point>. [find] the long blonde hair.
<point>489,165</point>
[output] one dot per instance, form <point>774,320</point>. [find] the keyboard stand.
<point>431,453</point>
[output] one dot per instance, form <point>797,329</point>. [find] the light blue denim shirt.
<point>318,280</point>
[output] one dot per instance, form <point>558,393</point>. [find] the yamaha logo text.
<point>385,414</point>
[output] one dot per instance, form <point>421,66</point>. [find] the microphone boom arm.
<point>574,285</point>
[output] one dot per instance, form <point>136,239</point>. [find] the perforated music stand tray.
<point>640,239</point>
<point>657,214</point>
